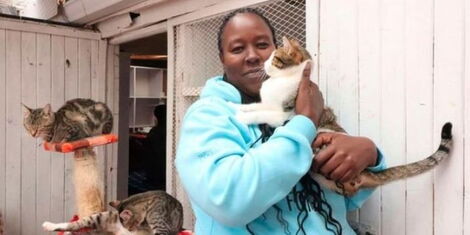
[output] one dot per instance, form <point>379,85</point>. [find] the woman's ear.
<point>221,57</point>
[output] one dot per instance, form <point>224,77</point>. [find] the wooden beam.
<point>156,13</point>
<point>21,25</point>
<point>84,11</point>
<point>140,33</point>
<point>149,57</point>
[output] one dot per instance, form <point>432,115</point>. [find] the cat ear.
<point>125,215</point>
<point>28,109</point>
<point>286,42</point>
<point>115,203</point>
<point>47,109</point>
<point>294,43</point>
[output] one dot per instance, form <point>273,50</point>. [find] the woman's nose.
<point>252,57</point>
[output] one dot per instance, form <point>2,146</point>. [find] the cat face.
<point>130,219</point>
<point>286,57</point>
<point>38,121</point>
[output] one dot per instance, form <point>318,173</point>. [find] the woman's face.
<point>246,43</point>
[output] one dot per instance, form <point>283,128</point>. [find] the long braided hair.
<point>307,197</point>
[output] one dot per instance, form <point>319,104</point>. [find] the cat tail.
<point>374,179</point>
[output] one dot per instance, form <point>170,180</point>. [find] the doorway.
<point>146,112</point>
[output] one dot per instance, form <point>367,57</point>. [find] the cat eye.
<point>279,59</point>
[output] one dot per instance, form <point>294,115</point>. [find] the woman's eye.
<point>237,50</point>
<point>263,45</point>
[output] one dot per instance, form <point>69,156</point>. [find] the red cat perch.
<point>67,147</point>
<point>86,175</point>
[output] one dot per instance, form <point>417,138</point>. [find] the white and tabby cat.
<point>284,68</point>
<point>76,119</point>
<point>153,212</point>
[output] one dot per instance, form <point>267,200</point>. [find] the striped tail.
<point>374,179</point>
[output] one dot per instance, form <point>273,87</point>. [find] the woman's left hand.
<point>345,157</point>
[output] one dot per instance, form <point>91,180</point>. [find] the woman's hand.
<point>309,100</point>
<point>345,157</point>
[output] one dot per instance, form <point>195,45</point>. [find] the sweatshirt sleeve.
<point>230,181</point>
<point>357,200</point>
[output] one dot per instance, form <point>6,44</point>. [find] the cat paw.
<point>243,108</point>
<point>48,226</point>
<point>276,123</point>
<point>243,118</point>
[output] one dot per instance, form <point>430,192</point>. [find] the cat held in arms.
<point>284,69</point>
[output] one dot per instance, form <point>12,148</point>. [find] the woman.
<point>242,182</point>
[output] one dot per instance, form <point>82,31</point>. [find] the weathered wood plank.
<point>44,160</point>
<point>84,68</point>
<point>58,63</point>
<point>448,106</point>
<point>418,56</point>
<point>393,112</point>
<point>14,132</point>
<point>71,92</point>
<point>369,90</point>
<point>466,228</point>
<point>28,143</point>
<point>111,190</point>
<point>3,99</point>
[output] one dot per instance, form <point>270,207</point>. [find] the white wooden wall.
<point>395,71</point>
<point>42,64</point>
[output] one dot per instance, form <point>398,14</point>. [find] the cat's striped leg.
<point>48,226</point>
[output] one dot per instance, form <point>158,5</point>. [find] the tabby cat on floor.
<point>152,212</point>
<point>284,69</point>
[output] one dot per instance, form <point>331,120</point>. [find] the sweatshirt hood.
<point>217,87</point>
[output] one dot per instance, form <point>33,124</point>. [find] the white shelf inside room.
<point>147,90</point>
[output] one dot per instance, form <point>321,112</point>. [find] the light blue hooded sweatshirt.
<point>231,185</point>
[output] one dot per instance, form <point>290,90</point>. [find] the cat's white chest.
<point>279,90</point>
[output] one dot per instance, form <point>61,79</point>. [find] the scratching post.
<point>88,184</point>
<point>87,181</point>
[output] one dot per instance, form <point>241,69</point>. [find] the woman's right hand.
<point>309,100</point>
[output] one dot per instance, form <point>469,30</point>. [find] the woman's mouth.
<point>252,71</point>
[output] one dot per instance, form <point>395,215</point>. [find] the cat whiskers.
<point>262,75</point>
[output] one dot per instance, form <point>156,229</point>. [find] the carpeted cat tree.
<point>87,183</point>
<point>86,177</point>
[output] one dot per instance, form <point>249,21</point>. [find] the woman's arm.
<point>224,176</point>
<point>346,157</point>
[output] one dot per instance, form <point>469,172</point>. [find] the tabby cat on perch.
<point>153,212</point>
<point>284,68</point>
<point>75,120</point>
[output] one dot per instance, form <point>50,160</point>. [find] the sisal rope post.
<point>86,177</point>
